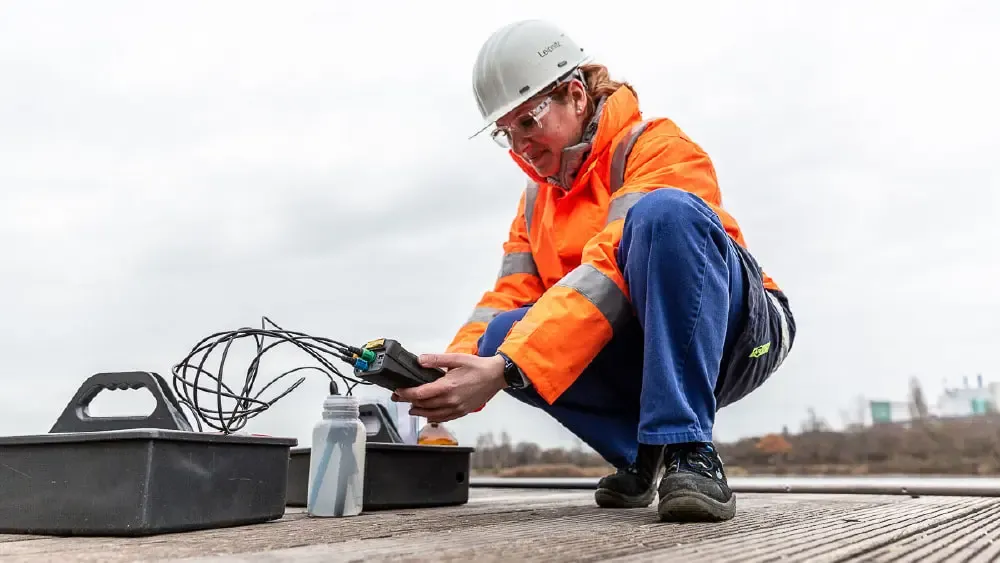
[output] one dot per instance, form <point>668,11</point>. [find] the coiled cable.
<point>188,374</point>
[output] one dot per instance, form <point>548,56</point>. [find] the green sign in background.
<point>881,411</point>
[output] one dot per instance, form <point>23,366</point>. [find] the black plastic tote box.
<point>137,475</point>
<point>397,475</point>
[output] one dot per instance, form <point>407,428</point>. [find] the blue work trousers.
<point>705,333</point>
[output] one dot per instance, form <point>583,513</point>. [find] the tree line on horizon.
<point>924,444</point>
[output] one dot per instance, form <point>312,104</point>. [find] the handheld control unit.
<point>387,364</point>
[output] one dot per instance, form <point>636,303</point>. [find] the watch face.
<point>510,373</point>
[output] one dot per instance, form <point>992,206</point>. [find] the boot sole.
<point>692,506</point>
<point>606,498</point>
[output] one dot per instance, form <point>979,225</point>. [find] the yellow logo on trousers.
<point>760,350</point>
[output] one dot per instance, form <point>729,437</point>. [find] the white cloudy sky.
<point>173,169</point>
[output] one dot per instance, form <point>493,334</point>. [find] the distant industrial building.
<point>968,400</point>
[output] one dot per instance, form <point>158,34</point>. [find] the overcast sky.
<point>173,169</point>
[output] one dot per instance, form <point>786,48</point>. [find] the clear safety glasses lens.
<point>502,137</point>
<point>524,125</point>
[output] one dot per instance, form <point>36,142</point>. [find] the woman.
<point>627,305</point>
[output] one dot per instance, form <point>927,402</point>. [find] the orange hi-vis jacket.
<point>560,254</point>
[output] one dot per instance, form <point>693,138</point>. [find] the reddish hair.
<point>599,85</point>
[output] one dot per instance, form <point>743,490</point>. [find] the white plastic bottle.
<point>337,460</point>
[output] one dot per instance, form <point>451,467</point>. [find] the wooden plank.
<point>974,538</point>
<point>565,525</point>
<point>833,536</point>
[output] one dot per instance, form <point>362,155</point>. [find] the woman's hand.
<point>469,383</point>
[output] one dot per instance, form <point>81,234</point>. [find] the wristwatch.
<point>512,374</point>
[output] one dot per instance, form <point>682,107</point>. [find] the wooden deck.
<point>565,525</point>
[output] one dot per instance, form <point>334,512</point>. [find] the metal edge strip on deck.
<point>913,485</point>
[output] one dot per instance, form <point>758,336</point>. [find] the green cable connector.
<point>368,356</point>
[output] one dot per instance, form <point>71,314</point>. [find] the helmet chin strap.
<point>573,156</point>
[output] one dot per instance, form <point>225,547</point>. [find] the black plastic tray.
<point>397,476</point>
<point>136,475</point>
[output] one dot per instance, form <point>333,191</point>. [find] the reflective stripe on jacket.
<point>561,248</point>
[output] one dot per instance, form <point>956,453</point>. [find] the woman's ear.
<point>580,100</point>
<point>579,93</point>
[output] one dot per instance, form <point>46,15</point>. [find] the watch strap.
<point>512,374</point>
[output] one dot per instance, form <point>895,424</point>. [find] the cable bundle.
<point>248,405</point>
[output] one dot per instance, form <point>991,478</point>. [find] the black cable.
<point>247,406</point>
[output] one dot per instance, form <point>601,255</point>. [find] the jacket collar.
<point>613,114</point>
<point>573,156</point>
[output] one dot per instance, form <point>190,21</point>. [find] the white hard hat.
<point>518,61</point>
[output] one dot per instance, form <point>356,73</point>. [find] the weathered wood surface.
<point>564,525</point>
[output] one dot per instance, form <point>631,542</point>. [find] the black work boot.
<point>694,485</point>
<point>633,486</point>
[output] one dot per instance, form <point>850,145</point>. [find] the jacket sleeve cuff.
<point>531,371</point>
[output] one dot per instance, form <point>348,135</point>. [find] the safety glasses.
<point>529,122</point>
<point>525,124</point>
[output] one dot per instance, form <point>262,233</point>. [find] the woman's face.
<point>539,129</point>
